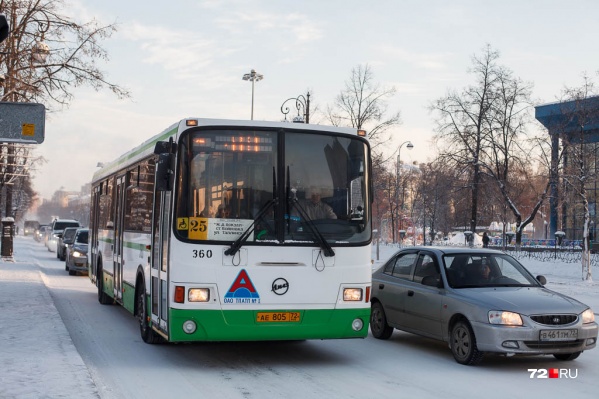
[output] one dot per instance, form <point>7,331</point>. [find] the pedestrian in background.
<point>485,240</point>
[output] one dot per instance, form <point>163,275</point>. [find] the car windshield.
<point>486,270</point>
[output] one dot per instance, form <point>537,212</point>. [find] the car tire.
<point>72,272</point>
<point>103,298</point>
<point>566,356</point>
<point>148,335</point>
<point>463,344</point>
<point>378,322</point>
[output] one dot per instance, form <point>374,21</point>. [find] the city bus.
<point>208,232</point>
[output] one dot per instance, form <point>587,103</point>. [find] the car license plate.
<point>278,317</point>
<point>559,335</point>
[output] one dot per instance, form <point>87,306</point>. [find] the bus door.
<point>118,237</point>
<point>160,249</point>
<point>93,239</point>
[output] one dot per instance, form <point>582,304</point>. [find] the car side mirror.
<point>542,279</point>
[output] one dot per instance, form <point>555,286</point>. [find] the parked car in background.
<point>479,301</point>
<point>76,253</point>
<point>58,225</point>
<point>67,238</point>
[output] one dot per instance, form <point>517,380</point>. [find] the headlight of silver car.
<point>587,316</point>
<point>504,318</point>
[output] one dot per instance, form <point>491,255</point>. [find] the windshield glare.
<point>226,177</point>
<point>484,270</point>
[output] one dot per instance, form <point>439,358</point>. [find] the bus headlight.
<point>352,294</point>
<point>198,295</point>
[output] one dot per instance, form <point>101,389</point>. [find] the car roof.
<point>441,250</point>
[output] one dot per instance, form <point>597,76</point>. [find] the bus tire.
<point>103,298</point>
<point>148,335</point>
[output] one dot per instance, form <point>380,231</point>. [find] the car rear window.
<point>69,233</point>
<point>82,237</point>
<point>64,225</point>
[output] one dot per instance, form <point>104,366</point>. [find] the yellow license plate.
<point>278,317</point>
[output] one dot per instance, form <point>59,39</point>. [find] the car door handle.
<point>410,293</point>
<point>381,286</point>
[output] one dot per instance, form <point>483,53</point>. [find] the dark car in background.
<point>67,238</point>
<point>479,301</point>
<point>76,253</point>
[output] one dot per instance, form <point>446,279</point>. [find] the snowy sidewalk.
<point>37,357</point>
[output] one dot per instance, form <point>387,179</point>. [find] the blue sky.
<point>186,58</point>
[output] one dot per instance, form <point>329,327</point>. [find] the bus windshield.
<point>282,186</point>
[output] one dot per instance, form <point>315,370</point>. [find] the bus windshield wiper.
<point>232,250</point>
<point>324,244</point>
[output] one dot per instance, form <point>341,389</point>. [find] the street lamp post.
<point>301,103</point>
<point>409,146</point>
<point>253,76</point>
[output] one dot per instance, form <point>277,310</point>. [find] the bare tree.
<point>433,198</point>
<point>363,104</point>
<point>505,152</point>
<point>581,105</point>
<point>46,56</point>
<point>462,128</point>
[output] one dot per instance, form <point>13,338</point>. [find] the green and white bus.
<point>223,230</point>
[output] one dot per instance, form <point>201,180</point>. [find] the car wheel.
<point>566,356</point>
<point>148,335</point>
<point>72,272</point>
<point>463,344</point>
<point>378,322</point>
<point>103,298</point>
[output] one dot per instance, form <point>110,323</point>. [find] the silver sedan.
<point>478,301</point>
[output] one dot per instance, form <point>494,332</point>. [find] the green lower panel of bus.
<point>254,325</point>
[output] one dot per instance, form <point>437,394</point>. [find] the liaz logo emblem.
<point>242,290</point>
<point>280,286</point>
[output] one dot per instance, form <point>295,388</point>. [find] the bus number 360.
<point>200,253</point>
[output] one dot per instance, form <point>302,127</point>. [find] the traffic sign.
<point>22,122</point>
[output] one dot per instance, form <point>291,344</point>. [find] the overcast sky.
<point>186,58</point>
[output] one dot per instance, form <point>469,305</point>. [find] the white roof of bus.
<point>147,147</point>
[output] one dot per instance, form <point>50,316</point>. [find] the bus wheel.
<point>103,298</point>
<point>147,334</point>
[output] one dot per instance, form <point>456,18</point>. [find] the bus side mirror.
<point>165,172</point>
<point>163,147</point>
